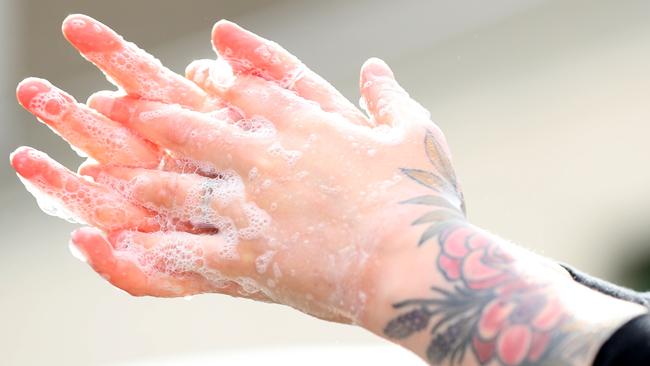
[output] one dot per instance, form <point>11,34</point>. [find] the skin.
<point>252,176</point>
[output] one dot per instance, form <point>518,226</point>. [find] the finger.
<point>215,76</point>
<point>161,264</point>
<point>121,271</point>
<point>194,135</point>
<point>171,160</point>
<point>104,140</point>
<point>386,101</point>
<point>207,203</point>
<point>250,54</point>
<point>210,75</point>
<point>251,95</point>
<point>133,69</point>
<point>128,269</point>
<point>255,96</point>
<point>61,192</point>
<point>198,71</point>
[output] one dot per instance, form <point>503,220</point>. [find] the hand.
<point>257,180</point>
<point>254,177</point>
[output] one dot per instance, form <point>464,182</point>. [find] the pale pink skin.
<point>337,246</point>
<point>328,208</point>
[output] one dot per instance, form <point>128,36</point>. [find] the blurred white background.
<point>544,103</point>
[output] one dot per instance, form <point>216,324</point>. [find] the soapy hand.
<point>251,176</point>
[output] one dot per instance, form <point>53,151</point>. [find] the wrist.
<point>521,307</point>
<point>399,267</point>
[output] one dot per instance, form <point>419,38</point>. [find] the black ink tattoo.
<point>489,310</point>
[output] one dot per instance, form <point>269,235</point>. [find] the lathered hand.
<point>259,179</point>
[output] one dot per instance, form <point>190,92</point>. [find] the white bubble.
<point>262,262</point>
<point>165,111</point>
<point>290,156</point>
<point>330,190</point>
<point>252,174</point>
<point>130,60</point>
<point>53,202</point>
<point>277,273</point>
<point>53,105</point>
<point>264,52</point>
<point>301,174</point>
<point>189,165</point>
<point>220,74</point>
<point>249,285</point>
<point>258,221</point>
<point>256,126</point>
<point>292,77</point>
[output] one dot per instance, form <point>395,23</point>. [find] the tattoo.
<point>490,310</point>
<point>441,180</point>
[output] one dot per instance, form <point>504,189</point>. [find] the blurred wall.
<point>544,104</point>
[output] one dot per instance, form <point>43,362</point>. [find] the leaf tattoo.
<point>427,179</point>
<point>408,323</point>
<point>489,311</point>
<point>448,203</point>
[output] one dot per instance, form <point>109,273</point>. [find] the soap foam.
<point>90,126</point>
<point>255,126</point>
<point>130,60</point>
<point>50,104</point>
<point>165,111</point>
<point>292,77</point>
<point>50,202</point>
<point>172,255</point>
<point>186,165</point>
<point>75,202</point>
<point>248,285</point>
<point>220,74</point>
<point>204,198</point>
<point>258,222</point>
<point>290,156</point>
<point>277,273</point>
<point>262,262</point>
<point>253,173</point>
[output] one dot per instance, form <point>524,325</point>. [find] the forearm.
<point>465,297</point>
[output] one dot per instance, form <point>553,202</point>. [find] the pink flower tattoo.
<point>488,309</point>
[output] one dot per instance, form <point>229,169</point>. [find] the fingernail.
<point>90,170</point>
<point>224,24</point>
<point>23,161</point>
<point>101,102</point>
<point>377,67</point>
<point>29,88</point>
<point>88,35</point>
<point>224,32</point>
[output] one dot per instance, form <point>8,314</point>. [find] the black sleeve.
<point>630,344</point>
<point>642,298</point>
